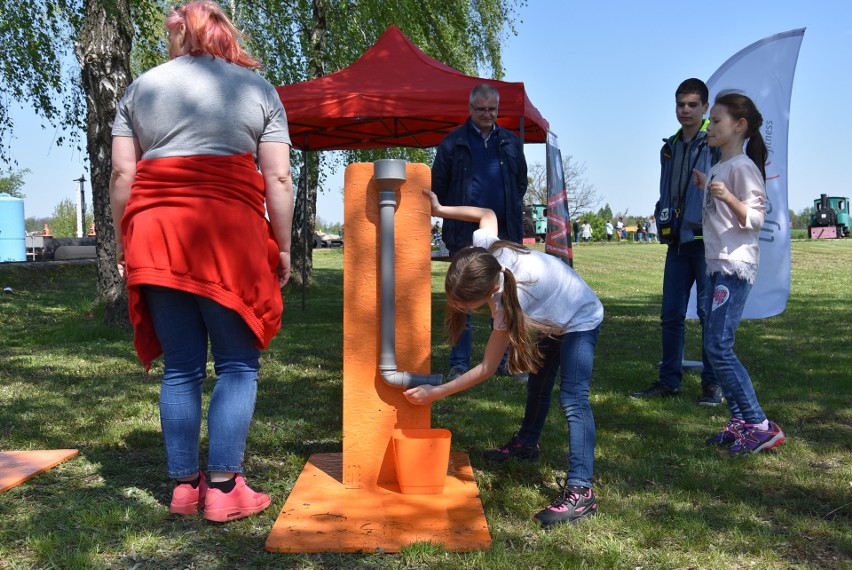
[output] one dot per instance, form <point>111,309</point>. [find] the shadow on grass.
<point>658,484</point>
<point>655,451</point>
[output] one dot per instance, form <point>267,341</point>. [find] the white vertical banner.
<point>764,72</point>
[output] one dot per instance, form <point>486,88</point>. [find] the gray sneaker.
<point>520,377</point>
<point>656,390</point>
<point>711,395</point>
<point>455,372</point>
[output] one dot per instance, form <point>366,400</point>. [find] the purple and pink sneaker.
<point>574,503</point>
<point>754,440</point>
<point>729,433</point>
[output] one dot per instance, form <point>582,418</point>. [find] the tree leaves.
<point>296,40</point>
<point>37,67</point>
<point>12,182</point>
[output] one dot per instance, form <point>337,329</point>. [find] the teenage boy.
<point>678,216</point>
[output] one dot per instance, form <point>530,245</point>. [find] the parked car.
<point>322,239</point>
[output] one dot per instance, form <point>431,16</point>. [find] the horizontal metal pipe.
<point>409,380</point>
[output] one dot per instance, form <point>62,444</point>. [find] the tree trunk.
<point>304,221</point>
<point>305,212</point>
<point>103,51</point>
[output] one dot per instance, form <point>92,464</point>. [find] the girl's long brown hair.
<point>740,106</point>
<point>473,274</point>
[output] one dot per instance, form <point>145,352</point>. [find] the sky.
<point>603,74</point>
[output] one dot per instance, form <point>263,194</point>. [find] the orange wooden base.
<point>18,466</point>
<point>322,515</point>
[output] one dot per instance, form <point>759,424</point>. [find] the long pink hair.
<point>211,32</point>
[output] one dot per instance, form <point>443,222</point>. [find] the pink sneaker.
<point>240,502</point>
<point>185,499</point>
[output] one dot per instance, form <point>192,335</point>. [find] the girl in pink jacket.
<point>734,198</point>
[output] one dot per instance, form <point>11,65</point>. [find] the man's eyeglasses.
<point>491,110</point>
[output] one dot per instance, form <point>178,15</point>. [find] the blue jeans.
<point>573,355</point>
<point>460,353</point>
<point>685,265</point>
<point>183,321</point>
<point>724,311</point>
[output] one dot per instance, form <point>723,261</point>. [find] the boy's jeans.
<point>685,265</point>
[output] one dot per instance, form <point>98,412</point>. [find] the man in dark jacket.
<point>480,164</point>
<point>678,215</point>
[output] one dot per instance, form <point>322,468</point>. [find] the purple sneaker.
<point>728,435</point>
<point>574,503</point>
<point>514,449</point>
<point>754,440</point>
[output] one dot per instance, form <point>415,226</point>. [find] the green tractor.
<point>535,222</point>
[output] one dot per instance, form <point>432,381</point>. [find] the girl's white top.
<point>551,294</point>
<point>730,247</point>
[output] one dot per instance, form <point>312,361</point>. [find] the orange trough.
<point>351,502</point>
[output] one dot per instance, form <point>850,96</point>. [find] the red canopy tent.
<point>395,95</point>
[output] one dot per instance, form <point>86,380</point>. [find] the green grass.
<point>666,501</point>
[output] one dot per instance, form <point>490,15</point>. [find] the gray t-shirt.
<point>200,105</point>
<point>550,292</point>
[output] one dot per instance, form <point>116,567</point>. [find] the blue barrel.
<point>13,237</point>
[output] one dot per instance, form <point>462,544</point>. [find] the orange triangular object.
<point>18,466</point>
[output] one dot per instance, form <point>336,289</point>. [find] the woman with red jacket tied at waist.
<point>198,254</point>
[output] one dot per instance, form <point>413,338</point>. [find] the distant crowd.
<point>595,228</point>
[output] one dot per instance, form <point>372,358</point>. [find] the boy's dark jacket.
<point>702,157</point>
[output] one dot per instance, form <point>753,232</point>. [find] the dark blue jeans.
<point>572,355</point>
<point>685,265</point>
<point>724,311</point>
<point>183,322</point>
<point>460,352</point>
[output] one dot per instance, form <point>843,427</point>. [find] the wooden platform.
<point>322,515</point>
<point>19,466</point>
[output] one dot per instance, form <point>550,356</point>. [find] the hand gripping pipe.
<point>389,175</point>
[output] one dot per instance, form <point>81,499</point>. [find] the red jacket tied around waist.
<point>197,224</point>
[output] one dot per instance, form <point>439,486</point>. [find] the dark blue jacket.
<point>702,157</point>
<point>452,173</point>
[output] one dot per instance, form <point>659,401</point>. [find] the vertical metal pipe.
<point>387,358</point>
<point>389,176</point>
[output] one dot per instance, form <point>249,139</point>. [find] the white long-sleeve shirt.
<point>731,247</point>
